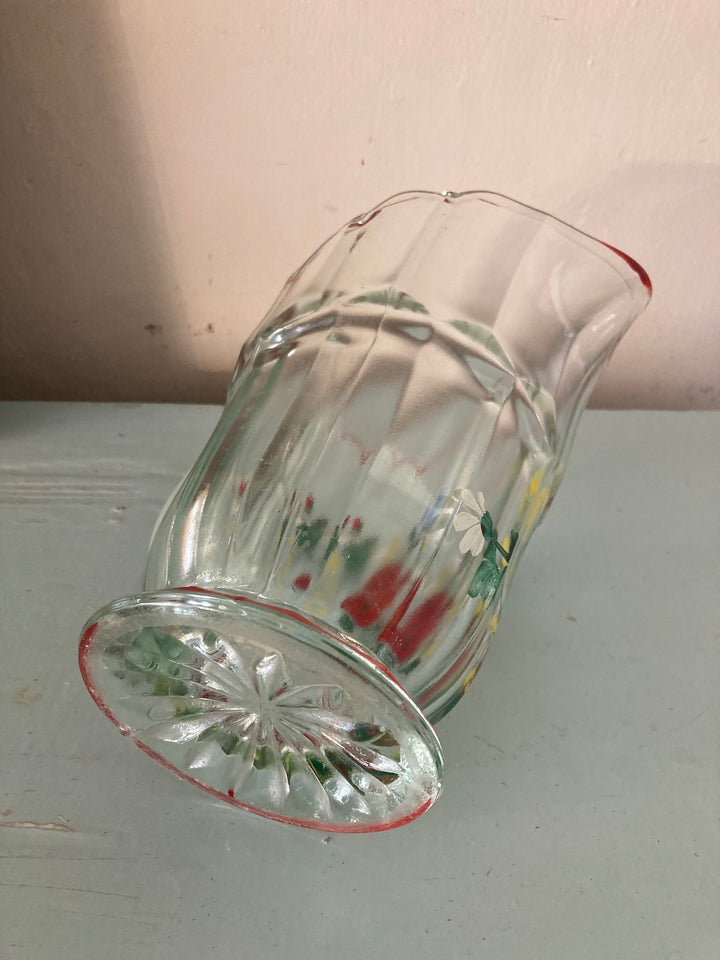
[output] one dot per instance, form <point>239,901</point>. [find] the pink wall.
<point>165,165</point>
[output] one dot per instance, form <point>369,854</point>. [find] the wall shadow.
<point>86,273</point>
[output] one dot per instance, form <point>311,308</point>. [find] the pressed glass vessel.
<point>322,586</point>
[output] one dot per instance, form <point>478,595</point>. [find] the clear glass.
<point>323,585</point>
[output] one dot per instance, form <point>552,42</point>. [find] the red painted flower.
<point>301,583</point>
<point>365,606</point>
<point>405,635</point>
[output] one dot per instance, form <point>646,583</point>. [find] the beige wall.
<point>165,164</point>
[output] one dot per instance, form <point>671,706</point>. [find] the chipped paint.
<point>33,825</point>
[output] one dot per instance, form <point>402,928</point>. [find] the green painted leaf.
<point>172,648</point>
<point>209,733</point>
<point>345,623</point>
<point>292,764</point>
<point>231,744</point>
<point>308,535</point>
<point>486,580</point>
<point>263,757</point>
<point>332,545</point>
<point>146,639</point>
<point>356,555</point>
<point>488,527</point>
<point>365,731</point>
<point>320,767</point>
<point>169,687</point>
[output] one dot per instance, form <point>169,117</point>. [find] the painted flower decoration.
<point>469,521</point>
<point>364,608</point>
<point>536,500</point>
<point>481,537</point>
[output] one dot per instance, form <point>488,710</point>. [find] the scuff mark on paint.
<point>33,825</point>
<point>25,697</point>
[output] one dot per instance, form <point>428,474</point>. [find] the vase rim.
<point>633,273</point>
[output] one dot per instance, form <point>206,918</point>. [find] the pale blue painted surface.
<point>580,811</point>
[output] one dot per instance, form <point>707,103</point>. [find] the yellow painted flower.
<point>506,547</point>
<point>535,500</point>
<point>469,679</point>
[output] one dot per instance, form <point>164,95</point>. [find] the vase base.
<point>263,709</point>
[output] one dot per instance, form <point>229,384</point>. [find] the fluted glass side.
<point>324,583</point>
<point>398,425</point>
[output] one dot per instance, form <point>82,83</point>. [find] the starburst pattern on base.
<point>238,722</point>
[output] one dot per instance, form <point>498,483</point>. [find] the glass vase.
<point>323,585</point>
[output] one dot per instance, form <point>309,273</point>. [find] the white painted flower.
<point>468,521</point>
